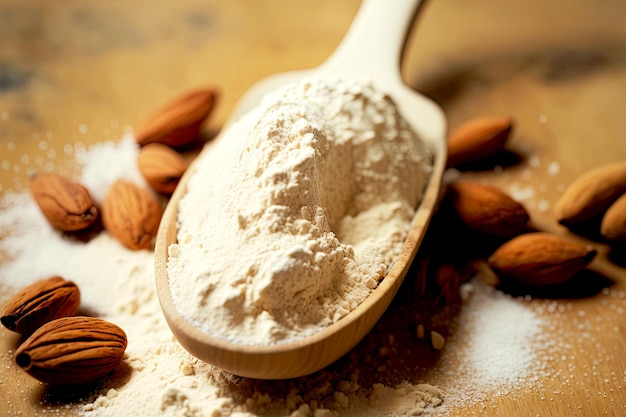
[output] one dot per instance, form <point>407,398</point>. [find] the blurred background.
<point>83,71</point>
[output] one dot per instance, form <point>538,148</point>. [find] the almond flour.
<point>294,216</point>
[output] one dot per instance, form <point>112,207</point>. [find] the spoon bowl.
<point>372,48</point>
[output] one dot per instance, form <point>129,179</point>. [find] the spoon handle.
<point>375,41</point>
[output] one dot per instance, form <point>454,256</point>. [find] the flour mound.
<point>294,216</point>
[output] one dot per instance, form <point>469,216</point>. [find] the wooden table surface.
<point>83,71</point>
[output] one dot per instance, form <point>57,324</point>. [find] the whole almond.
<point>538,258</point>
<point>488,209</point>
<point>478,138</point>
<point>66,204</point>
<point>39,303</point>
<point>178,121</point>
<point>591,193</point>
<point>161,166</point>
<point>613,226</point>
<point>72,350</point>
<point>131,214</point>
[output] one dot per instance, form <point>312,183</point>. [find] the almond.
<point>39,303</point>
<point>179,120</point>
<point>66,204</point>
<point>161,166</point>
<point>590,194</point>
<point>478,138</point>
<point>540,258</point>
<point>72,350</point>
<point>488,209</point>
<point>131,214</point>
<point>613,226</point>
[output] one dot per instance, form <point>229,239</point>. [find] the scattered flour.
<point>293,217</point>
<point>494,347</point>
<point>503,353</point>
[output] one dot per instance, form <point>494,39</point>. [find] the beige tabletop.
<point>84,71</point>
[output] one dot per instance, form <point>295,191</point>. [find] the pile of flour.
<point>295,214</point>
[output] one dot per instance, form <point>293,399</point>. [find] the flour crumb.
<point>554,168</point>
<point>405,399</point>
<point>521,193</point>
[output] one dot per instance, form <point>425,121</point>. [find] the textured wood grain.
<point>558,69</point>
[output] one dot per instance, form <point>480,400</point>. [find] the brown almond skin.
<point>66,204</point>
<point>488,209</point>
<point>539,258</point>
<point>590,194</point>
<point>613,226</point>
<point>161,166</point>
<point>131,214</point>
<point>72,350</point>
<point>177,122</point>
<point>39,303</point>
<point>478,138</point>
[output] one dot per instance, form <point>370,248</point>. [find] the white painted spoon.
<point>372,48</point>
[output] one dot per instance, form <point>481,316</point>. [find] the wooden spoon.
<point>372,48</point>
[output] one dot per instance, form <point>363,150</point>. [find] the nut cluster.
<point>130,212</point>
<point>522,255</point>
<point>60,347</point>
<point>174,125</point>
<point>527,256</point>
<point>480,229</point>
